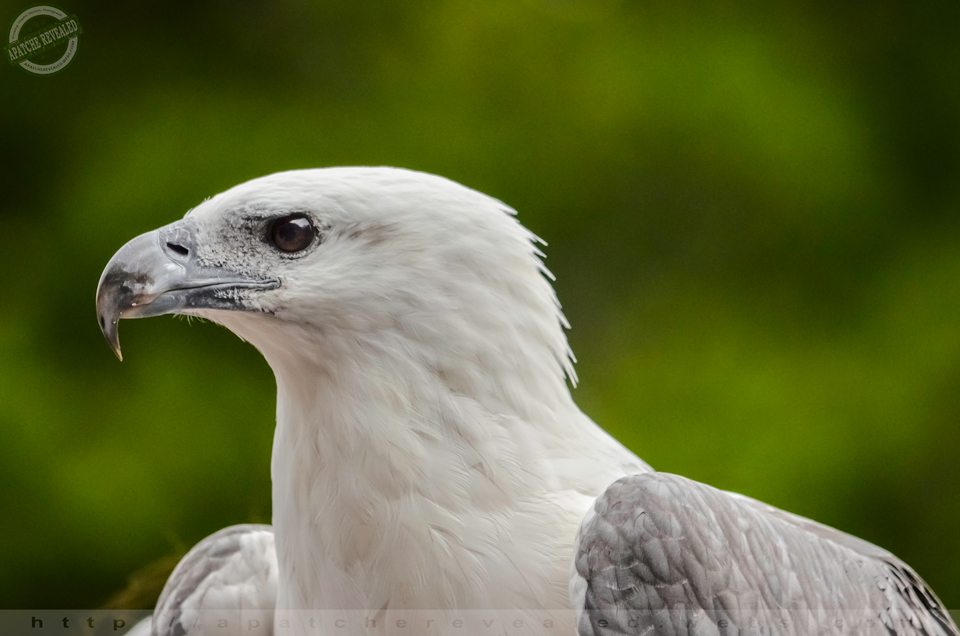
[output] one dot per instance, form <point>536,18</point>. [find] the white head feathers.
<point>407,260</point>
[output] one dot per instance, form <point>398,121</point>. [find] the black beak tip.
<point>110,333</point>
<point>107,317</point>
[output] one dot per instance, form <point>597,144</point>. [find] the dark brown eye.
<point>292,233</point>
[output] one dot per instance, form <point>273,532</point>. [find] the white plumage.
<point>428,454</point>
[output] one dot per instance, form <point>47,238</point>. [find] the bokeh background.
<point>752,214</point>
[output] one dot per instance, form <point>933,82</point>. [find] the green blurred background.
<point>752,215</point>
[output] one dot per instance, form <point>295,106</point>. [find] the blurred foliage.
<point>752,214</point>
<point>145,585</point>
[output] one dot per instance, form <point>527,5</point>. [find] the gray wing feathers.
<point>213,563</point>
<point>666,555</point>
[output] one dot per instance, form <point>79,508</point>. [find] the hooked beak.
<point>159,273</point>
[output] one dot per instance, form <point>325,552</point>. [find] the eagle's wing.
<point>226,581</point>
<point>661,554</point>
<point>144,627</point>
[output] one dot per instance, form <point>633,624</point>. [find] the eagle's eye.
<point>292,233</point>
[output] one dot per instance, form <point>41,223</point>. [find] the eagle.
<point>428,454</point>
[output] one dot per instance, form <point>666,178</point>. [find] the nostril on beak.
<point>179,249</point>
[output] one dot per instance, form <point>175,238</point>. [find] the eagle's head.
<point>347,261</point>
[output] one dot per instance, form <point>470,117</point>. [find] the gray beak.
<point>159,273</point>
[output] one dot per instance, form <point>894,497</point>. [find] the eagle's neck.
<point>404,479</point>
<point>386,465</point>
